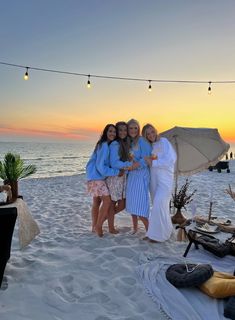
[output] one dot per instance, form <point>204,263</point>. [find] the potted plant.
<point>180,200</point>
<point>12,169</point>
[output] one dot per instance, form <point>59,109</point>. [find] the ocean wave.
<point>67,157</point>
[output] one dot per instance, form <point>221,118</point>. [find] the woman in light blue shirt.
<point>119,159</point>
<point>97,170</point>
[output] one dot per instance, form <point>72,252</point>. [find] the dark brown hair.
<point>103,137</point>
<point>124,145</point>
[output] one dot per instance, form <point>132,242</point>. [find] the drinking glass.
<point>154,155</point>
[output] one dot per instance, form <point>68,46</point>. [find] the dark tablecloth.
<point>7,223</point>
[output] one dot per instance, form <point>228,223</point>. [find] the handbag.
<point>231,243</point>
<point>214,246</point>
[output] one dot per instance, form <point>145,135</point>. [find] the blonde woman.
<point>161,163</point>
<point>137,189</point>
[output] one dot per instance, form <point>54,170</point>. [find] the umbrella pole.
<point>177,169</point>
<point>176,184</point>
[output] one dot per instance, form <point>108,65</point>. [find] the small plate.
<point>211,230</point>
<point>224,222</point>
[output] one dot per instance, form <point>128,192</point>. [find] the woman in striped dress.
<point>137,189</point>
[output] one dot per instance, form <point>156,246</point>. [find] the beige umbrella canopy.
<point>196,148</point>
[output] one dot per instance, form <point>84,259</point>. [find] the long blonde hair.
<point>134,140</point>
<point>146,127</point>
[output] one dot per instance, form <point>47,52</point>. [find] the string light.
<point>26,75</point>
<point>209,88</point>
<point>88,82</point>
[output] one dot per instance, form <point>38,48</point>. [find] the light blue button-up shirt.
<point>115,161</point>
<point>98,167</point>
<point>140,150</point>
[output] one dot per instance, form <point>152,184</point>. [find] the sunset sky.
<point>150,39</point>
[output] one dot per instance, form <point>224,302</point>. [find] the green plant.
<point>182,198</point>
<point>12,168</point>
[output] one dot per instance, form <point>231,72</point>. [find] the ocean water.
<point>51,159</point>
<point>54,159</point>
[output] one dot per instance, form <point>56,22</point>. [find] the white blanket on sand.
<point>28,228</point>
<point>188,303</point>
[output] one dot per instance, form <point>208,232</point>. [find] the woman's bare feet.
<point>99,231</point>
<point>145,238</point>
<point>113,231</point>
<point>153,241</point>
<point>134,231</point>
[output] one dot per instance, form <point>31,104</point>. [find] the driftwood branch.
<point>230,192</point>
<point>181,198</point>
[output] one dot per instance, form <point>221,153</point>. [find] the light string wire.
<point>89,75</point>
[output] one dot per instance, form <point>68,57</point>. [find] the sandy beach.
<point>71,72</point>
<point>67,272</point>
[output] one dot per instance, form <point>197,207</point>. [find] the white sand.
<point>69,273</point>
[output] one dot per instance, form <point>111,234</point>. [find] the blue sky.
<point>161,39</point>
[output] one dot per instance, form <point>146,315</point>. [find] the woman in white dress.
<point>162,163</point>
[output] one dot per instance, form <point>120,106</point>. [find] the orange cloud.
<point>71,134</point>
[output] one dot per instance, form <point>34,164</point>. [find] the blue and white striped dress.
<point>137,189</point>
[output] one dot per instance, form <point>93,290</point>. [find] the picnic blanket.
<point>186,303</point>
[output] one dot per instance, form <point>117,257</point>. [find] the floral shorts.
<point>117,187</point>
<point>97,188</point>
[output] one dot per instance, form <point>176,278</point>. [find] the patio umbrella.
<point>196,148</point>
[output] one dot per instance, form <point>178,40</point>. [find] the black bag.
<point>229,310</point>
<point>231,243</point>
<point>214,246</point>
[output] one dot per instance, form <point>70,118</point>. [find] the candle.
<point>210,208</point>
<point>193,208</point>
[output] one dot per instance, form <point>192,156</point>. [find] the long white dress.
<point>161,185</point>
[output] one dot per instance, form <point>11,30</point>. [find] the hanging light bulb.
<point>150,87</point>
<point>26,75</point>
<point>209,88</point>
<point>88,82</point>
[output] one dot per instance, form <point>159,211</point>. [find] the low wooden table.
<point>194,234</point>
